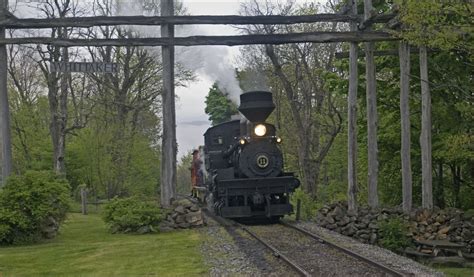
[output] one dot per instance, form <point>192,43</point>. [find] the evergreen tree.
<point>218,106</point>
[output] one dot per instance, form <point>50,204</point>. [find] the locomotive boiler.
<point>244,165</point>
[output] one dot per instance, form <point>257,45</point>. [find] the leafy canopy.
<point>218,106</point>
<point>438,24</point>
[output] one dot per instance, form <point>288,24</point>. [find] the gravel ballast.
<point>380,255</point>
<point>231,252</point>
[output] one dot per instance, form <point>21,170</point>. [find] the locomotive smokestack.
<point>256,106</point>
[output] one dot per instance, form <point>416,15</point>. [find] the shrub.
<point>32,206</point>
<point>131,215</point>
<point>309,207</point>
<point>393,233</point>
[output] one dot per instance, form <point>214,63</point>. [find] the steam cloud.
<point>212,61</point>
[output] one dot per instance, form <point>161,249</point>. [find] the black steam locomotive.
<point>244,165</point>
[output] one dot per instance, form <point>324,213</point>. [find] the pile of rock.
<point>450,224</point>
<point>183,214</point>
<point>49,228</point>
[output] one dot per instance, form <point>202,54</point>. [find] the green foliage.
<point>218,106</point>
<point>115,159</point>
<point>29,203</point>
<point>184,174</point>
<point>308,205</point>
<point>129,215</point>
<point>393,232</point>
<point>31,142</point>
<point>439,24</point>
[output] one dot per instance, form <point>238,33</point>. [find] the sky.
<point>191,119</point>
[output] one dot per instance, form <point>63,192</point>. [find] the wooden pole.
<point>352,121</point>
<point>316,37</point>
<point>298,209</point>
<point>169,145</point>
<point>84,200</point>
<point>4,108</point>
<point>425,139</point>
<point>372,117</point>
<point>91,21</point>
<point>405,125</point>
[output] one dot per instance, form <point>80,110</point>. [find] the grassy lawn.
<point>456,272</point>
<point>85,248</point>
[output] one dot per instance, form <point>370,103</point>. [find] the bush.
<point>32,206</point>
<point>393,233</point>
<point>309,207</point>
<point>131,215</point>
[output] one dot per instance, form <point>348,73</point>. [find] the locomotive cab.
<point>248,179</point>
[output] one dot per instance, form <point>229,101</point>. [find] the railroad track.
<point>274,236</point>
<point>311,255</point>
<point>353,254</point>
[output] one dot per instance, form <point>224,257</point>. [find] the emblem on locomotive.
<point>243,164</point>
<point>262,161</point>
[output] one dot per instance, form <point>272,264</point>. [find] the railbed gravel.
<point>314,257</point>
<point>380,255</point>
<point>231,252</point>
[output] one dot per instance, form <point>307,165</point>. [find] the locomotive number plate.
<point>262,161</point>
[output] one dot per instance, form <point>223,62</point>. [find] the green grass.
<point>85,248</point>
<point>456,272</point>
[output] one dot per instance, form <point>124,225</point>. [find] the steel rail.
<point>276,252</point>
<point>227,223</point>
<point>346,251</point>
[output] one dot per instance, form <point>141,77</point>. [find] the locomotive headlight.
<point>279,140</point>
<point>260,130</point>
<point>242,141</point>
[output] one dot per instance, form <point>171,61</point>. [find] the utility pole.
<point>352,121</point>
<point>372,117</point>
<point>405,125</point>
<point>169,145</point>
<point>4,108</point>
<point>425,139</point>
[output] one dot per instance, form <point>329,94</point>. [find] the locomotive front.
<point>245,164</point>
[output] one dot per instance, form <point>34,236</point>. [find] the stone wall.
<point>183,214</point>
<point>450,224</point>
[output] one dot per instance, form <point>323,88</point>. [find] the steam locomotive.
<point>242,170</point>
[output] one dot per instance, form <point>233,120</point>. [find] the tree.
<point>184,173</point>
<point>218,106</point>
<point>443,25</point>
<point>60,86</point>
<point>310,112</point>
<point>29,112</point>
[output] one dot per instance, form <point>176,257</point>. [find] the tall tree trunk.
<point>425,139</point>
<point>352,121</point>
<point>58,110</point>
<point>5,133</point>
<point>372,117</point>
<point>405,125</point>
<point>60,160</point>
<point>169,145</point>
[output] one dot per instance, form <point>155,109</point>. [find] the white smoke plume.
<point>211,61</point>
<point>214,62</point>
